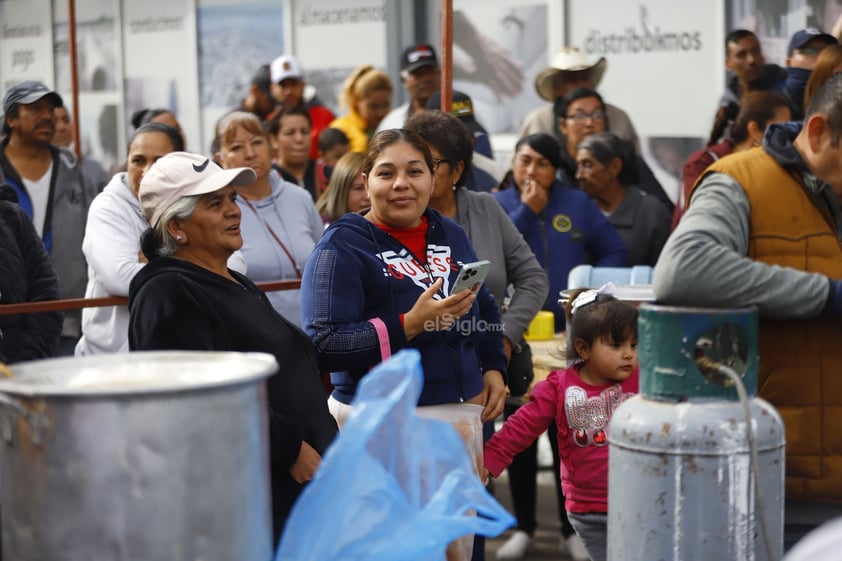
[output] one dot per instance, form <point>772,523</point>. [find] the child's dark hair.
<point>605,318</point>
<point>330,137</point>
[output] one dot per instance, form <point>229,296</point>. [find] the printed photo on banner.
<point>26,42</point>
<point>498,48</point>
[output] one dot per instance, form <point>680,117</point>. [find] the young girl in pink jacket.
<point>580,400</point>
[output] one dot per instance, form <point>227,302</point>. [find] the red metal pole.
<point>446,55</point>
<point>74,76</point>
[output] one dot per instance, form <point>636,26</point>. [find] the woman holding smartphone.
<point>381,282</point>
<point>514,270</point>
<point>515,276</point>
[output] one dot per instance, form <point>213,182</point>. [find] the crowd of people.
<point>376,210</point>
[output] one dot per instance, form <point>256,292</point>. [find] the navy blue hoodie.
<point>358,272</point>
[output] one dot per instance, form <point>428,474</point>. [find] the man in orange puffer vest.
<point>763,229</point>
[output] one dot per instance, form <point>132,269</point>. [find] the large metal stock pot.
<point>143,456</point>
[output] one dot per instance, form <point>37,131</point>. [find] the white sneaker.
<point>575,548</point>
<point>516,547</point>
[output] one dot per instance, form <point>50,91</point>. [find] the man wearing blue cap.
<point>801,57</point>
<point>50,187</point>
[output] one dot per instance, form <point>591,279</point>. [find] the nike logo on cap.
<point>201,168</point>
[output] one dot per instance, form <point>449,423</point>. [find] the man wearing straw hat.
<point>571,69</point>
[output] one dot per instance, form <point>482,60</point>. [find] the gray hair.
<point>605,146</point>
<point>182,209</point>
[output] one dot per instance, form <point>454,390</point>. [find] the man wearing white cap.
<point>290,90</point>
<point>571,69</point>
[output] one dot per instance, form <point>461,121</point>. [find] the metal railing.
<point>79,303</point>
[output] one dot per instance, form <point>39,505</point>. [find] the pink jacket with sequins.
<point>582,412</point>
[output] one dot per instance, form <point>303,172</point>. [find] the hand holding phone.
<point>471,276</point>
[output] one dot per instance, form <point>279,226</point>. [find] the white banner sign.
<point>498,48</point>
<point>161,61</point>
<point>339,33</point>
<point>99,72</point>
<point>665,59</point>
<point>26,42</point>
<point>333,37</point>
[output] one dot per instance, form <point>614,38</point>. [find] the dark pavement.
<point>548,534</point>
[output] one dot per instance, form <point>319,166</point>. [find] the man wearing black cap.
<point>463,107</point>
<point>51,188</point>
<point>801,56</point>
<point>259,99</point>
<point>420,76</point>
<point>485,173</point>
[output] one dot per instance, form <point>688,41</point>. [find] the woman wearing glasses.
<point>582,113</point>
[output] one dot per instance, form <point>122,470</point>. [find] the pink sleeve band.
<point>383,337</point>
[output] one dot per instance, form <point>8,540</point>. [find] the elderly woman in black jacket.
<point>26,275</point>
<point>187,298</point>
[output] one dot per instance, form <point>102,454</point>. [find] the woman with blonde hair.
<point>367,94</point>
<point>279,223</point>
<point>346,191</point>
<point>828,64</point>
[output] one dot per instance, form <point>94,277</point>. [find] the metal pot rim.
<point>89,376</point>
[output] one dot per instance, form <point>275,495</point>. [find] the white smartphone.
<point>471,276</point>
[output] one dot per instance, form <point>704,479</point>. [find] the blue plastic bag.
<point>393,485</point>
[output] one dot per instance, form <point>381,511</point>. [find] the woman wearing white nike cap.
<point>186,298</point>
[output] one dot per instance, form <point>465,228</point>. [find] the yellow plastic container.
<point>541,328</point>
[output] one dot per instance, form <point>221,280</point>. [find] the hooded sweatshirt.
<point>290,214</point>
<point>176,305</point>
<point>359,272</point>
<point>111,247</point>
